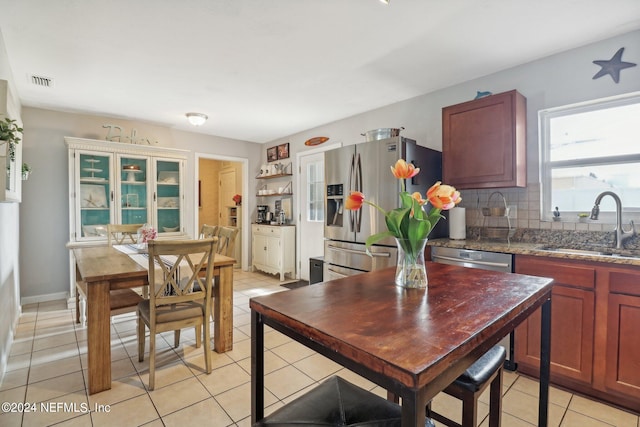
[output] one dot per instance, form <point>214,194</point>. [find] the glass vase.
<point>411,271</point>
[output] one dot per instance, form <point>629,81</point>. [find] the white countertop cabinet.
<point>273,249</point>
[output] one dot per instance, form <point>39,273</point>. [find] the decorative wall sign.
<point>283,151</point>
<point>613,66</point>
<point>118,137</point>
<point>316,140</point>
<point>482,94</point>
<point>272,154</point>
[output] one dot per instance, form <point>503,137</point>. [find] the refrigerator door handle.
<point>357,252</point>
<point>350,188</point>
<point>335,273</point>
<point>358,172</point>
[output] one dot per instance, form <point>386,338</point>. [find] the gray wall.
<point>44,216</point>
<point>9,224</point>
<point>561,79</point>
<point>557,80</point>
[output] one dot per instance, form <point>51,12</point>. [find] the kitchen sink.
<point>604,252</point>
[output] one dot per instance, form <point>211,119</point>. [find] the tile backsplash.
<point>524,216</point>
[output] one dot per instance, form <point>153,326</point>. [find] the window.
<point>589,148</point>
<point>315,193</point>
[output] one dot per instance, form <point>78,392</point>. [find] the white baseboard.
<point>44,298</point>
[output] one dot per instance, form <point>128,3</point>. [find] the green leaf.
<point>376,238</point>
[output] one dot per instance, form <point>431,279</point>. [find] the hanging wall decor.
<point>272,154</point>
<point>613,66</point>
<point>283,151</point>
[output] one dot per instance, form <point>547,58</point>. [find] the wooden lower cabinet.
<point>572,320</point>
<point>622,370</point>
<point>595,315</point>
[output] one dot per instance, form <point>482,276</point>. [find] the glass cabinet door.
<point>134,190</point>
<point>94,196</point>
<point>169,196</point>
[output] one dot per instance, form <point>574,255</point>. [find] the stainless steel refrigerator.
<point>365,167</point>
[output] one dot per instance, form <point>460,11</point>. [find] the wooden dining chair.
<point>175,302</point>
<point>227,240</point>
<point>120,234</point>
<point>208,231</point>
<point>120,300</point>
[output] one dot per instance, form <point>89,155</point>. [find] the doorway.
<point>310,207</point>
<point>219,180</point>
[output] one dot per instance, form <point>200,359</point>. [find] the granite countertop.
<point>624,256</point>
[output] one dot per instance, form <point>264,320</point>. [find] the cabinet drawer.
<point>625,282</point>
<point>568,273</point>
<point>267,230</point>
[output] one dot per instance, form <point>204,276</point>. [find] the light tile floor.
<point>48,363</point>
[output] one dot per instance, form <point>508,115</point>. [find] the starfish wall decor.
<point>613,66</point>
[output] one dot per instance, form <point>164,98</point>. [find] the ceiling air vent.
<point>41,81</point>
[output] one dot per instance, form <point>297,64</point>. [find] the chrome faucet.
<point>621,235</point>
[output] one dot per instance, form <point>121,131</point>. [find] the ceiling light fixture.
<point>197,119</point>
<point>386,1</point>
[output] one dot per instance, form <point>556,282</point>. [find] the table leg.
<point>413,411</point>
<point>98,336</point>
<point>223,311</point>
<point>257,367</point>
<point>545,364</point>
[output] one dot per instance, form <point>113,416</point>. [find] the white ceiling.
<point>265,69</point>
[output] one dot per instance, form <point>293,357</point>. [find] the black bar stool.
<point>470,385</point>
<point>336,402</point>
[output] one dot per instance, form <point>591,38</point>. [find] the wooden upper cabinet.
<point>484,142</point>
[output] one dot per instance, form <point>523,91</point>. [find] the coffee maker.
<point>262,214</point>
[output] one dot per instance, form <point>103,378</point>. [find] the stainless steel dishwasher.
<point>483,260</point>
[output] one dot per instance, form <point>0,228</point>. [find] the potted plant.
<point>10,134</point>
<point>26,171</point>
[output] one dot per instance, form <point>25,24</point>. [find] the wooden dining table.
<point>412,342</point>
<point>105,268</point>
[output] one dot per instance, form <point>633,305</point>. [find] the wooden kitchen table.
<point>411,342</point>
<point>105,268</point>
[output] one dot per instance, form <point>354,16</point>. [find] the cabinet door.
<point>484,142</point>
<point>94,194</point>
<point>134,190</point>
<point>572,312</point>
<point>623,345</point>
<point>623,341</point>
<point>168,195</point>
<point>259,249</point>
<point>572,319</point>
<point>274,254</point>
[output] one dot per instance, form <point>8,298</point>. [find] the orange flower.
<point>354,201</point>
<point>443,197</point>
<point>404,170</point>
<point>419,198</point>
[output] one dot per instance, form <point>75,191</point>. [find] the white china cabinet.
<point>122,183</point>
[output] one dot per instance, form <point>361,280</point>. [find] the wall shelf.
<point>274,194</point>
<point>280,175</point>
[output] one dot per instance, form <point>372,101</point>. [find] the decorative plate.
<point>316,140</point>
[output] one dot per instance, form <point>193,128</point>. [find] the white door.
<point>311,218</point>
<point>227,179</point>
